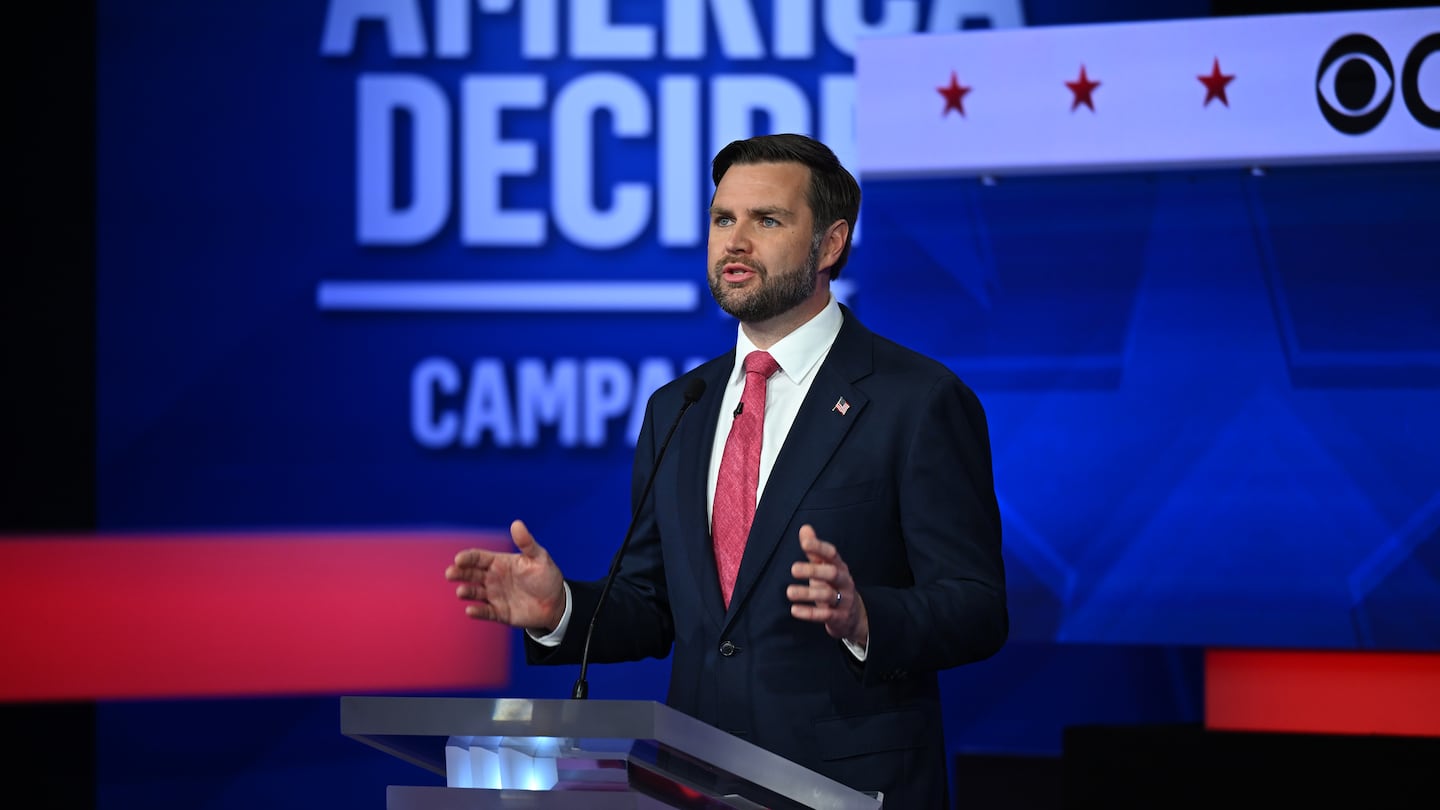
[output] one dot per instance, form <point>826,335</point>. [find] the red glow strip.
<point>89,618</point>
<point>1323,692</point>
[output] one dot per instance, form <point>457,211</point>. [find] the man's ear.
<point>832,244</point>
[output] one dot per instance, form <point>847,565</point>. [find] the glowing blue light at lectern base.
<point>511,763</point>
<point>472,762</point>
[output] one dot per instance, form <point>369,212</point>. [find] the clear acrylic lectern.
<point>593,754</point>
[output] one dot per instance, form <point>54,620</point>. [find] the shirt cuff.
<point>855,649</point>
<point>556,636</point>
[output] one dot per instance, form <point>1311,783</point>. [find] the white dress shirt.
<point>799,354</point>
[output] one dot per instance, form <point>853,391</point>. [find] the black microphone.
<point>694,389</point>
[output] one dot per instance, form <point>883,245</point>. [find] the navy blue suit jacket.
<point>901,483</point>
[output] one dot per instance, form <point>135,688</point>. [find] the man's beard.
<point>775,295</point>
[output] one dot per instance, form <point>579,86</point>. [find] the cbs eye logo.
<point>1356,83</point>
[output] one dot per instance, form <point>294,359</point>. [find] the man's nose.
<point>736,240</point>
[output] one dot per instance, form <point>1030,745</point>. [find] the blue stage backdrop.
<point>1213,395</point>
<point>369,263</point>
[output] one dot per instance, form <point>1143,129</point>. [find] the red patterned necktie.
<point>740,472</point>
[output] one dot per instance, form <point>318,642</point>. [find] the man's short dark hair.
<point>833,193</point>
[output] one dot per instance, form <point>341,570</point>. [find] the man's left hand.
<point>827,593</point>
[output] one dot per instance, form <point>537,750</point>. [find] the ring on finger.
<point>837,599</point>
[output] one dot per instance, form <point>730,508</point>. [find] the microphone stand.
<point>693,391</point>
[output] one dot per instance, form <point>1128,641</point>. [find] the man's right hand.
<point>524,589</point>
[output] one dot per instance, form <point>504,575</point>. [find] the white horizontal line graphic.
<point>507,296</point>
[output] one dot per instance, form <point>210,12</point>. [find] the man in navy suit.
<point>873,560</point>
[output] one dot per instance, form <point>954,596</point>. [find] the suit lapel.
<point>697,441</point>
<point>820,427</point>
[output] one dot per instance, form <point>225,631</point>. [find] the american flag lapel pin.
<point>841,406</point>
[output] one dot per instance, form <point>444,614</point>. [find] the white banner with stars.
<point>1233,91</point>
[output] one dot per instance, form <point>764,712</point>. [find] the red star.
<point>954,96</point>
<point>1215,84</point>
<point>1082,88</point>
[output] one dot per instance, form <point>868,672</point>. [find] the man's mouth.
<point>737,271</point>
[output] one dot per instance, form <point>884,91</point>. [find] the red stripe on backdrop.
<point>1323,692</point>
<point>155,616</point>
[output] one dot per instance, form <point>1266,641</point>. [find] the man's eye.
<point>770,222</point>
<point>723,221</point>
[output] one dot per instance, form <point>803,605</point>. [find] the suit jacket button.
<point>727,649</point>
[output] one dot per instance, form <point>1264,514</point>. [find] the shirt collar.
<point>798,352</point>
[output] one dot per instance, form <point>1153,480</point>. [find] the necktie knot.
<point>761,363</point>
